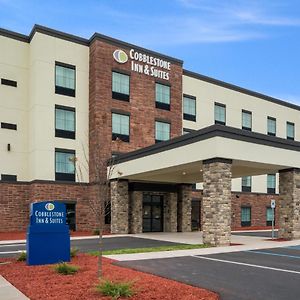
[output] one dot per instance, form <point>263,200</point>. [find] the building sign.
<point>144,63</point>
<point>48,237</point>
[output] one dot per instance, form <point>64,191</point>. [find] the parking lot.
<point>256,274</point>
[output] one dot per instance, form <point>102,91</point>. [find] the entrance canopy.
<point>180,160</point>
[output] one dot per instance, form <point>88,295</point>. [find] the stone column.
<point>170,212</point>
<point>119,206</point>
<point>289,204</point>
<point>136,212</point>
<point>185,208</point>
<point>217,201</point>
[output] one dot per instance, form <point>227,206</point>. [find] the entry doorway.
<point>71,215</point>
<point>196,213</point>
<point>153,213</point>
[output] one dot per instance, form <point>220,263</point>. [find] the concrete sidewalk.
<point>9,292</point>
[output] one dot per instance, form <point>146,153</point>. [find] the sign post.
<point>273,205</point>
<point>48,237</point>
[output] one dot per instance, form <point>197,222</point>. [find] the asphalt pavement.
<point>86,245</point>
<point>271,274</point>
<point>267,234</point>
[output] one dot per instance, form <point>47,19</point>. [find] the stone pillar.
<point>289,204</point>
<point>217,201</point>
<point>119,206</point>
<point>136,212</point>
<point>185,208</point>
<point>170,212</point>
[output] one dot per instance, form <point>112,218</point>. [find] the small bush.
<point>22,256</point>
<point>73,252</point>
<point>96,232</point>
<point>65,269</point>
<point>115,289</point>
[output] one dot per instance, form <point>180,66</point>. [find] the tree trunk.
<point>100,251</point>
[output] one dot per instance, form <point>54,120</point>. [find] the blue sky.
<point>251,43</point>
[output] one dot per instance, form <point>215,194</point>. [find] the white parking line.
<point>244,264</point>
<point>12,245</point>
<point>11,252</point>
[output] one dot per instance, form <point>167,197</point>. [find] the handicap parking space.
<point>263,274</point>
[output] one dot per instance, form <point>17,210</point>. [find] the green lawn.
<point>153,249</point>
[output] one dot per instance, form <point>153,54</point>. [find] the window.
<point>64,122</point>
<point>220,114</point>
<point>162,99</point>
<point>162,131</point>
<point>246,183</point>
<point>189,108</point>
<point>269,216</point>
<point>6,177</point>
<point>64,165</point>
<point>246,120</point>
<point>271,126</point>
<point>245,216</point>
<point>120,127</point>
<point>120,86</point>
<point>64,79</point>
<point>8,126</point>
<point>290,131</point>
<point>8,82</point>
<point>271,183</point>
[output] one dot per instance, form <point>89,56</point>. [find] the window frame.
<point>162,105</point>
<point>186,116</point>
<point>60,133</point>
<point>247,188</point>
<point>269,132</point>
<point>287,136</point>
<point>163,122</point>
<point>248,113</point>
<point>59,176</point>
<point>246,223</point>
<point>117,95</point>
<point>217,121</point>
<point>122,137</point>
<point>60,90</point>
<point>273,189</point>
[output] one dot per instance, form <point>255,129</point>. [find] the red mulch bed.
<point>18,235</point>
<point>277,240</point>
<point>41,282</point>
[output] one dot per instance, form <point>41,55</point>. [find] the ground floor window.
<point>152,213</point>
<point>71,215</point>
<point>246,216</point>
<point>269,216</point>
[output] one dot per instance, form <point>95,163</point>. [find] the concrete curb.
<point>9,292</point>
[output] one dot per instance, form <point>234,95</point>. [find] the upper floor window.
<point>8,126</point>
<point>64,165</point>
<point>246,120</point>
<point>220,114</point>
<point>246,183</point>
<point>271,183</point>
<point>162,96</point>
<point>290,131</point>
<point>120,127</point>
<point>8,82</point>
<point>65,79</point>
<point>189,108</point>
<point>271,126</point>
<point>64,122</point>
<point>162,131</point>
<point>120,86</point>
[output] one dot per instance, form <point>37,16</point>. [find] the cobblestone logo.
<point>120,56</point>
<point>49,206</point>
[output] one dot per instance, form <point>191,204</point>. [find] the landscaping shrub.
<point>66,269</point>
<point>73,252</point>
<point>22,256</point>
<point>115,289</point>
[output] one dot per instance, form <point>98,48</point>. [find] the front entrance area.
<point>153,213</point>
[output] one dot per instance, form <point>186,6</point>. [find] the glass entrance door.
<point>152,213</point>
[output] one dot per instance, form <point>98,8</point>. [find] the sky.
<point>251,43</point>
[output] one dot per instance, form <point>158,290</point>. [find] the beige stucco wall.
<point>207,93</point>
<point>32,105</point>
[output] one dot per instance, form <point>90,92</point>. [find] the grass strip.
<point>150,249</point>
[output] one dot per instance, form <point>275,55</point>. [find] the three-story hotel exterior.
<point>186,146</point>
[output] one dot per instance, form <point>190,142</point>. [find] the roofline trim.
<point>239,89</point>
<point>211,132</point>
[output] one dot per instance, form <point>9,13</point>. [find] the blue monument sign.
<point>48,237</point>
